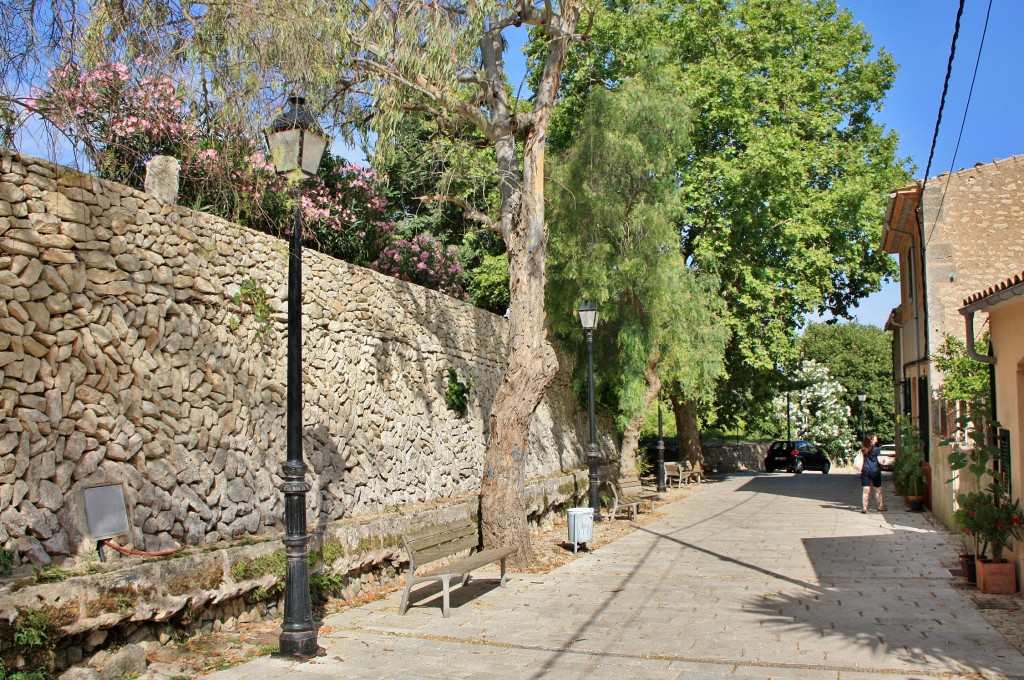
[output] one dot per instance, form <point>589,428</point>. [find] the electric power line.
<point>945,90</point>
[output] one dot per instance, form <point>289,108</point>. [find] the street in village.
<point>752,576</point>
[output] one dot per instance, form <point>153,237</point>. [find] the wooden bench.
<point>628,493</point>
<point>620,503</point>
<point>693,473</point>
<point>437,543</point>
<point>674,472</point>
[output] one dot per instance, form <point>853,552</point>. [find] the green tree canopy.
<point>859,357</point>
<point>784,190</point>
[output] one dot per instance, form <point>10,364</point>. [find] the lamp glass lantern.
<point>862,398</point>
<point>588,316</point>
<point>296,140</point>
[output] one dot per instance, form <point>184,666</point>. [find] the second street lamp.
<point>661,451</point>
<point>296,144</point>
<point>588,319</point>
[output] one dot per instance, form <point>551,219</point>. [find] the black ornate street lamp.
<point>861,397</point>
<point>296,144</point>
<point>661,452</point>
<point>588,318</point>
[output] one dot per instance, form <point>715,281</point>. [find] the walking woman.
<point>871,473</point>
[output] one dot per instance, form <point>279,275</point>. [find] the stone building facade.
<point>963,231</point>
<point>132,352</point>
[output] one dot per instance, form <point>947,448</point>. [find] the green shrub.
<point>6,561</point>
<point>33,628</point>
<point>457,393</point>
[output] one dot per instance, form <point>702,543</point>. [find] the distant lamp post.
<point>588,319</point>
<point>296,144</point>
<point>661,451</point>
<point>861,397</point>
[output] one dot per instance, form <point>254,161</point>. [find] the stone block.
<point>65,208</point>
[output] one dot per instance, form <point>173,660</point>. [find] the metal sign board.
<point>105,509</point>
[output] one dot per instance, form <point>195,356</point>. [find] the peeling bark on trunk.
<point>532,368</point>
<point>631,437</point>
<point>687,433</point>
<point>532,363</point>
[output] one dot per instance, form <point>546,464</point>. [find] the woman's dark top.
<point>871,466</point>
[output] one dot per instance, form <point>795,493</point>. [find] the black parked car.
<point>796,456</point>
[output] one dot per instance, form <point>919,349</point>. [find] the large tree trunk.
<point>687,433</point>
<point>532,368</point>
<point>631,437</point>
<point>532,364</point>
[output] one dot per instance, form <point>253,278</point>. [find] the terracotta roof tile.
<point>1014,280</point>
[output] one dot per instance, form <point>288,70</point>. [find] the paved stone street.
<point>754,576</point>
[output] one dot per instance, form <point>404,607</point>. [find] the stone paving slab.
<point>754,576</point>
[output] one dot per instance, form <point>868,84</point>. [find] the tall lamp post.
<point>296,144</point>
<point>861,397</point>
<point>661,451</point>
<point>588,318</point>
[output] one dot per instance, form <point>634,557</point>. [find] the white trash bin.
<point>581,526</point>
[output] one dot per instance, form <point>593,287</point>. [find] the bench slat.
<point>473,562</point>
<point>434,553</point>
<point>441,535</point>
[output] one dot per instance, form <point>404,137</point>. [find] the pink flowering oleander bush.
<point>425,261</point>
<point>345,208</point>
<point>121,116</point>
<point>229,175</point>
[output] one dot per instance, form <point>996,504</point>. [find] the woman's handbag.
<point>858,461</point>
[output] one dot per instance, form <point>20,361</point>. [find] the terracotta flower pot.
<point>996,577</point>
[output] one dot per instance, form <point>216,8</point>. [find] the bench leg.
<point>502,572</point>
<point>444,602</point>
<point>405,596</point>
<point>465,579</point>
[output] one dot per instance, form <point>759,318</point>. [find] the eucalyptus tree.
<point>614,242</point>
<point>366,64</point>
<point>784,191</point>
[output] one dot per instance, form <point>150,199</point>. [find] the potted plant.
<point>967,517</point>
<point>908,475</point>
<point>987,513</point>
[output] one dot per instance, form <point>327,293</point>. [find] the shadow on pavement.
<point>458,594</point>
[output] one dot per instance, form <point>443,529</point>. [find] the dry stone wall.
<point>124,359</point>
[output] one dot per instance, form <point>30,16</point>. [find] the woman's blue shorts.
<point>871,478</point>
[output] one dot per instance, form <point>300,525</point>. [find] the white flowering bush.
<point>818,412</point>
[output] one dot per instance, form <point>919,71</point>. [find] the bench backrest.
<point>672,468</point>
<point>435,543</point>
<point>630,486</point>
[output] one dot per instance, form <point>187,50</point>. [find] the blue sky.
<point>918,34</point>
